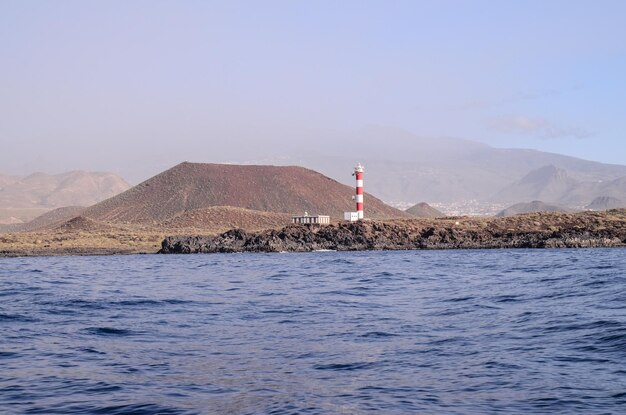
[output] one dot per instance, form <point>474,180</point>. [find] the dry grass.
<point>529,222</point>
<point>57,242</point>
<point>63,242</point>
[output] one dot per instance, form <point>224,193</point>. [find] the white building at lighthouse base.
<point>351,216</point>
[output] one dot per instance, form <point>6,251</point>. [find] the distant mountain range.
<point>605,203</point>
<point>400,169</point>
<point>404,168</point>
<point>555,185</point>
<point>23,198</point>
<point>40,190</point>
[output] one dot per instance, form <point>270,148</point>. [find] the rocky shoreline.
<point>537,230</point>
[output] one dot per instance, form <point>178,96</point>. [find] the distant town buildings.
<point>469,207</point>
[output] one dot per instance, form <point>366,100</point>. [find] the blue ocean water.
<point>498,331</point>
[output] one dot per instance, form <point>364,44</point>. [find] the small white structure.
<point>351,216</point>
<point>306,219</point>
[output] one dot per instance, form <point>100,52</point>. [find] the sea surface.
<point>429,332</point>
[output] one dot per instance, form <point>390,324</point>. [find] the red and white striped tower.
<point>358,172</point>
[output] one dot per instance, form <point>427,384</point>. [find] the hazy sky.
<point>136,86</point>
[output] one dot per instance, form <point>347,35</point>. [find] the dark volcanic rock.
<point>541,230</point>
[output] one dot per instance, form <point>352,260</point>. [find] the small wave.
<point>4,355</point>
<point>341,261</point>
<point>16,317</point>
<point>454,311</point>
<point>378,334</point>
<point>142,301</point>
<point>78,303</point>
<point>346,292</point>
<point>176,301</point>
<point>102,387</point>
<point>134,409</point>
<point>501,365</point>
<point>507,299</point>
<point>459,299</point>
<point>108,331</point>
<point>90,350</point>
<point>578,359</point>
<point>345,366</point>
<point>287,311</point>
<point>599,324</point>
<point>617,340</point>
<point>272,294</point>
<point>596,283</point>
<point>139,409</point>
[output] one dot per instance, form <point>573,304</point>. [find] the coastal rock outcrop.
<point>539,230</point>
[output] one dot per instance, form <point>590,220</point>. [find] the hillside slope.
<point>606,203</point>
<point>547,183</point>
<point>222,218</point>
<point>51,219</point>
<point>424,210</point>
<point>531,207</point>
<point>190,186</point>
<point>555,185</point>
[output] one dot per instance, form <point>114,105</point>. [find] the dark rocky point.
<point>536,230</point>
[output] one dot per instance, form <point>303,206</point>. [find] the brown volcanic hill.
<point>531,207</point>
<point>51,219</point>
<point>190,186</point>
<point>424,210</point>
<point>222,218</point>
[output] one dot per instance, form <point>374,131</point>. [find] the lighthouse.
<point>358,172</point>
<point>358,215</point>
